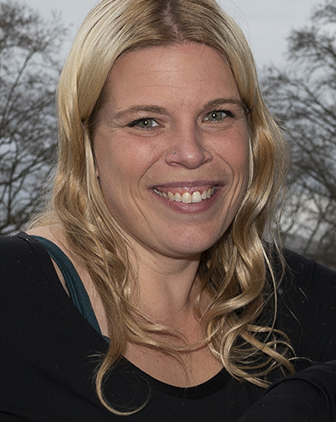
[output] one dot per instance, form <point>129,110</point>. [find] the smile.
<point>187,197</point>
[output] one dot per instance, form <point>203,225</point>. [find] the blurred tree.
<point>303,97</point>
<point>29,69</point>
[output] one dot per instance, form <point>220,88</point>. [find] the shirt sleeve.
<point>307,314</point>
<point>307,396</point>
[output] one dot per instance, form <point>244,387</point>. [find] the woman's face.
<point>172,148</point>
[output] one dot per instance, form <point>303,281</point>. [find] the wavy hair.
<point>237,271</point>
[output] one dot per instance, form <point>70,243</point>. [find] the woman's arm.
<point>307,396</point>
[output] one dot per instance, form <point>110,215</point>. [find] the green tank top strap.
<point>73,282</point>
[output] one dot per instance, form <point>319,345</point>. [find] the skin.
<point>179,98</point>
<point>160,100</point>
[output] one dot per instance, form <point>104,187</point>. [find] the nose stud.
<point>174,152</point>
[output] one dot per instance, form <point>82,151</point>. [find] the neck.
<point>167,286</point>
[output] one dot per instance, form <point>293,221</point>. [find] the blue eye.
<point>217,115</point>
<point>144,123</point>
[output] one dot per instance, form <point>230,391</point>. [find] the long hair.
<point>237,269</point>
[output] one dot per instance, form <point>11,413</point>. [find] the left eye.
<point>144,123</point>
<point>216,115</point>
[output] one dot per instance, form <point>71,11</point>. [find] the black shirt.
<point>49,353</point>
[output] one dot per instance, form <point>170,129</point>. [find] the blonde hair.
<point>235,272</point>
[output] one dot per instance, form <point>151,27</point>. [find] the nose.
<point>188,149</point>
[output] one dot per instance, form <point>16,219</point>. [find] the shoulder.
<point>22,258</point>
<point>301,273</point>
<point>307,307</point>
<point>13,249</point>
<point>311,277</point>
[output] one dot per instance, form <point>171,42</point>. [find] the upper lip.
<point>189,184</point>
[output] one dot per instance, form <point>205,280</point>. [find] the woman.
<point>169,169</point>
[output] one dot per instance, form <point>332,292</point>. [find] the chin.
<point>191,249</point>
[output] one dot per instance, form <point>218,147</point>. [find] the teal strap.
<point>73,282</point>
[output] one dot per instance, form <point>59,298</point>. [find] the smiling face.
<point>172,148</point>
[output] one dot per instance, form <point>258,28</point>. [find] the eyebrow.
<point>218,101</point>
<point>161,110</point>
<point>141,108</point>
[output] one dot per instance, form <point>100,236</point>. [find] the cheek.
<point>125,152</point>
<point>234,149</point>
<point>122,162</point>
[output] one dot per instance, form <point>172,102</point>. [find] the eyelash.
<point>227,113</point>
<point>146,119</point>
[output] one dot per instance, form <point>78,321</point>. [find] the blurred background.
<point>294,44</point>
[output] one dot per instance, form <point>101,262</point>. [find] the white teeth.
<point>163,194</point>
<point>196,197</point>
<point>171,196</point>
<point>187,197</point>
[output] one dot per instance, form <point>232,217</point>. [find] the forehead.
<point>180,70</point>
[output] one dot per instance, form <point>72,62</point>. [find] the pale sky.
<point>266,23</point>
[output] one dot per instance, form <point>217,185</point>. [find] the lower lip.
<point>192,208</point>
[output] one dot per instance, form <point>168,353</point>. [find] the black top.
<point>49,352</point>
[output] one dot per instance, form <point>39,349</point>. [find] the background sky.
<point>266,23</point>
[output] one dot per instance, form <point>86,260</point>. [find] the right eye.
<point>218,115</point>
<point>147,123</point>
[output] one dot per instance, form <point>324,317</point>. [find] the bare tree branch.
<point>303,98</point>
<point>29,70</point>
